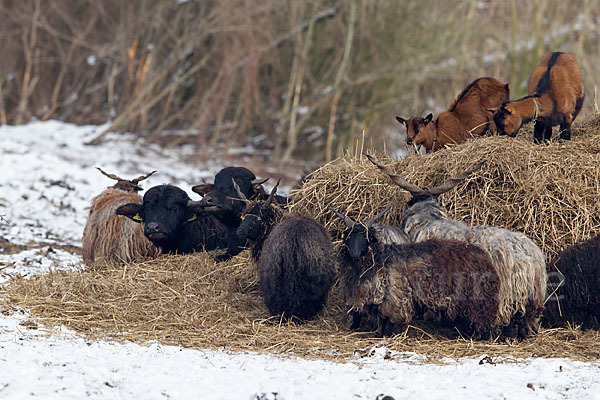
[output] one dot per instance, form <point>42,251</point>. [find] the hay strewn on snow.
<point>548,192</point>
<point>193,302</point>
<point>551,193</point>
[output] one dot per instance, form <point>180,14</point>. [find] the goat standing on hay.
<point>110,237</point>
<point>576,300</point>
<point>467,116</point>
<point>395,282</point>
<point>555,97</point>
<point>519,262</point>
<point>295,258</point>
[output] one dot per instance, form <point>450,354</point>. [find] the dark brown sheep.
<point>109,236</point>
<point>295,258</point>
<point>555,97</point>
<point>395,283</point>
<point>466,117</point>
<point>574,286</point>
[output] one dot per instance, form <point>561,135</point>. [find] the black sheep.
<point>574,286</point>
<point>295,259</point>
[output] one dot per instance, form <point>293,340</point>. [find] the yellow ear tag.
<point>192,219</point>
<point>342,235</point>
<point>242,217</point>
<point>137,218</point>
<point>404,123</point>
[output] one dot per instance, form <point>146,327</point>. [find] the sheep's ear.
<point>202,189</point>
<point>401,120</point>
<point>428,118</point>
<point>506,110</point>
<point>131,210</point>
<point>492,110</point>
<point>192,210</point>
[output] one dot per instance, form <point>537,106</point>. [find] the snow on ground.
<point>47,179</point>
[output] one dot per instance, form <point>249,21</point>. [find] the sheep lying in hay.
<point>574,282</point>
<point>108,236</point>
<point>520,264</point>
<point>555,97</point>
<point>467,116</point>
<point>394,283</point>
<point>295,258</point>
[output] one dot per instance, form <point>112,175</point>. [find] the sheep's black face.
<point>255,220</point>
<point>252,225</point>
<point>163,211</point>
<point>356,241</point>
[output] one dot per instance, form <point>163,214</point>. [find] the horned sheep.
<point>295,258</point>
<point>395,283</point>
<point>106,235</point>
<point>519,262</point>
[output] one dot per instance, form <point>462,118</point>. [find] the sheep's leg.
<point>538,132</point>
<point>385,327</point>
<point>355,320</point>
<point>565,131</point>
<point>547,133</point>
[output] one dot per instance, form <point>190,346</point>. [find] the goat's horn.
<point>344,218</point>
<point>241,195</point>
<point>259,181</point>
<point>111,176</point>
<point>376,217</point>
<point>141,178</point>
<point>397,179</point>
<point>449,184</point>
<point>272,194</point>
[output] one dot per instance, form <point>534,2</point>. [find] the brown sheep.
<point>467,116</point>
<point>555,97</point>
<point>107,235</point>
<point>393,283</point>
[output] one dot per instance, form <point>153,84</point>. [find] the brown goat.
<point>555,97</point>
<point>467,116</point>
<point>413,125</point>
<point>109,236</point>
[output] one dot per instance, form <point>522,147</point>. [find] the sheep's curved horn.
<point>272,194</point>
<point>141,178</point>
<point>376,217</point>
<point>449,184</point>
<point>111,176</point>
<point>241,196</point>
<point>397,179</point>
<point>344,218</point>
<point>259,181</point>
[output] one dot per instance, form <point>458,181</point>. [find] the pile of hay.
<point>551,193</point>
<point>192,302</point>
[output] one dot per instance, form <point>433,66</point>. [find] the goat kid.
<point>466,117</point>
<point>555,96</point>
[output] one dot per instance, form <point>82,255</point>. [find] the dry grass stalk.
<point>192,302</point>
